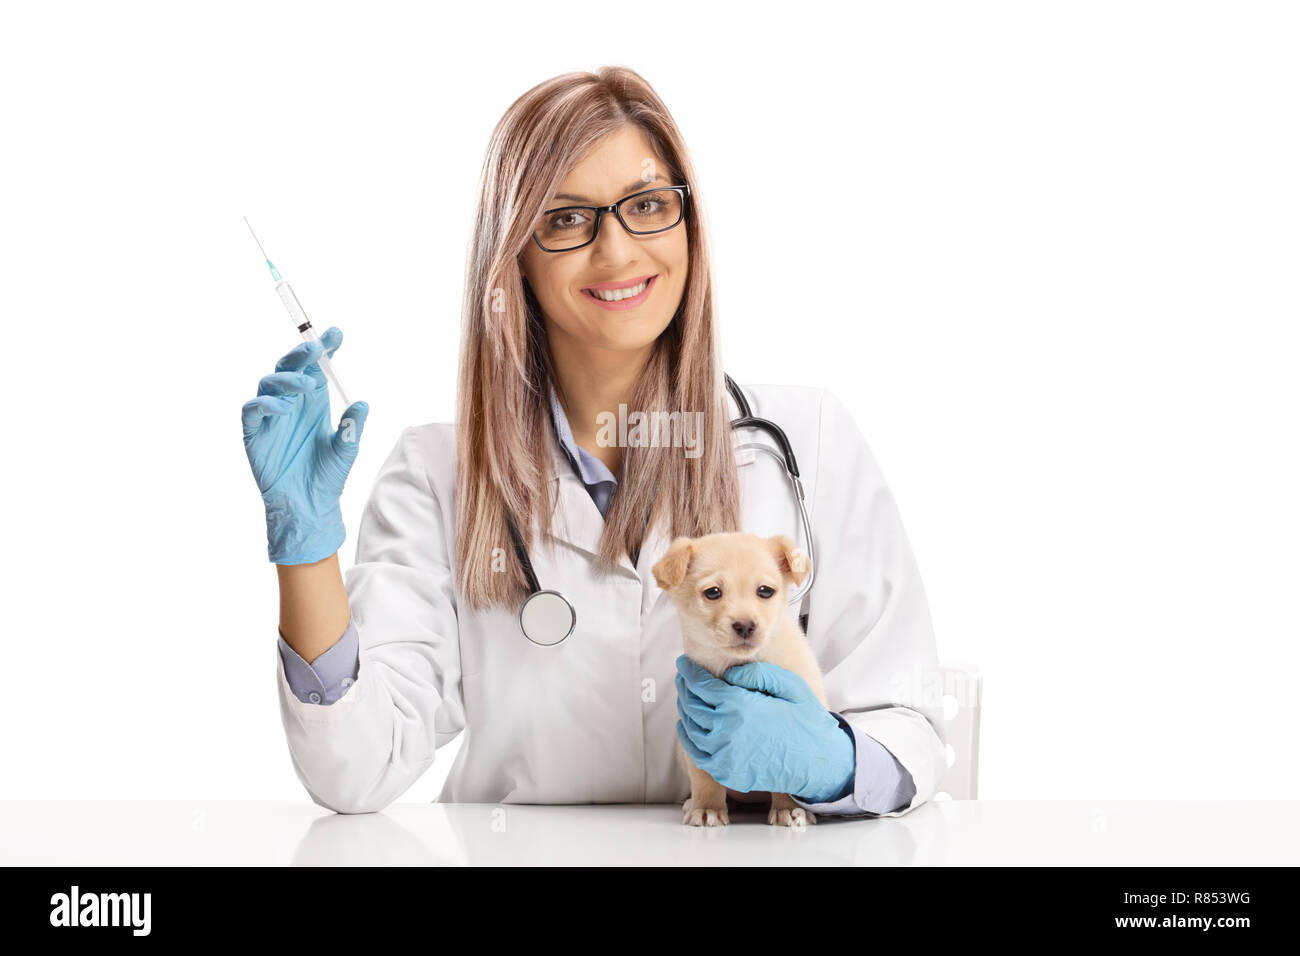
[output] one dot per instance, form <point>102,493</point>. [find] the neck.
<point>594,381</point>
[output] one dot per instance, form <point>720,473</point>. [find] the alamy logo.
<point>101,909</point>
<point>655,429</point>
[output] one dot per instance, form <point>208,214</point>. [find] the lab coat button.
<point>347,682</point>
<point>314,697</point>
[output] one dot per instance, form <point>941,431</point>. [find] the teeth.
<point>616,295</point>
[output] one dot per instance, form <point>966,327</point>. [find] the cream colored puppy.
<point>731,591</point>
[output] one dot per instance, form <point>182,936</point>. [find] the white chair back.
<point>963,688</point>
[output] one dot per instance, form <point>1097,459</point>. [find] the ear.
<point>789,558</point>
<point>670,570</point>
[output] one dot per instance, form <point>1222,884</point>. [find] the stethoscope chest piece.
<point>547,617</point>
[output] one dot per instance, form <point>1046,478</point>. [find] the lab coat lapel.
<point>575,519</point>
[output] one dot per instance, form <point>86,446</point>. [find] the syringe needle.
<point>256,240</point>
<point>300,320</point>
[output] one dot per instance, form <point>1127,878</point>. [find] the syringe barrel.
<point>296,313</point>
<point>304,327</point>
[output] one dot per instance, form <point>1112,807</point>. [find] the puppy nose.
<point>743,628</point>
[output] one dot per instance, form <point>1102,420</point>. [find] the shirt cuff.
<point>328,677</point>
<point>880,783</point>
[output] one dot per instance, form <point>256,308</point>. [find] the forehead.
<point>733,557</point>
<point>622,162</point>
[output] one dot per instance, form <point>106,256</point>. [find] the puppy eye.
<point>765,592</point>
<point>713,593</point>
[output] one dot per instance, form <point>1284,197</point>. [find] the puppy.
<point>731,591</point>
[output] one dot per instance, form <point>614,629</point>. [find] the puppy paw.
<point>796,817</point>
<point>705,817</point>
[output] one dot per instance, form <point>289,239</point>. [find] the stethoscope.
<point>547,617</point>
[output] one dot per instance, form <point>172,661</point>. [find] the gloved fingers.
<point>705,686</point>
<point>281,383</point>
<point>347,436</point>
<point>700,736</point>
<point>300,357</point>
<point>771,679</point>
<point>698,757</point>
<point>686,692</point>
<point>329,343</point>
<point>259,409</point>
<point>688,705</point>
<point>332,339</point>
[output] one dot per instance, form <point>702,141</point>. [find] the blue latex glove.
<point>299,461</point>
<point>762,728</point>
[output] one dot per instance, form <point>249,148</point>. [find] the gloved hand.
<point>762,728</point>
<point>300,463</point>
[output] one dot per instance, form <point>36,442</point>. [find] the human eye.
<point>648,205</point>
<point>566,219</point>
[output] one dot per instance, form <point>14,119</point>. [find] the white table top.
<point>949,832</point>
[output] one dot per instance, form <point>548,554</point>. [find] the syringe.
<point>300,320</point>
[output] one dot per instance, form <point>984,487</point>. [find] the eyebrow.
<point>635,187</point>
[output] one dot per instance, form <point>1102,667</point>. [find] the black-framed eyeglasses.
<point>643,213</point>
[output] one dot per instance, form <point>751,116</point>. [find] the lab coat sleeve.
<point>365,750</point>
<point>880,782</point>
<point>329,676</point>
<point>869,624</point>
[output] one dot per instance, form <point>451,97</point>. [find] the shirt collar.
<point>589,468</point>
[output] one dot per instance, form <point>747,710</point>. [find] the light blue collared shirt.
<point>880,783</point>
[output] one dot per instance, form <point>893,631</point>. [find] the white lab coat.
<point>592,720</point>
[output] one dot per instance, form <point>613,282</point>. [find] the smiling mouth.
<point>618,295</point>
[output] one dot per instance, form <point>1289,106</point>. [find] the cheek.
<point>708,611</point>
<point>677,263</point>
<point>671,255</point>
<point>551,282</point>
<point>562,293</point>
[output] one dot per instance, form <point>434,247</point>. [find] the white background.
<point>1046,252</point>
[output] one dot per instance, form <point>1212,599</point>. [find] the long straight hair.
<point>506,370</point>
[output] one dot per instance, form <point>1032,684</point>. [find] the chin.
<point>747,649</point>
<point>628,340</point>
<point>716,652</point>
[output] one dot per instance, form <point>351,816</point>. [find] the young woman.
<point>589,292</point>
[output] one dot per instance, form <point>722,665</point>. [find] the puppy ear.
<point>670,570</point>
<point>789,558</point>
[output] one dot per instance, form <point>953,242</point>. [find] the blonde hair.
<point>505,372</point>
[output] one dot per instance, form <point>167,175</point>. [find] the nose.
<point>743,628</point>
<point>612,237</point>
